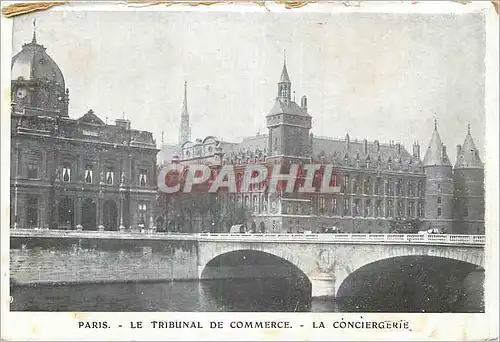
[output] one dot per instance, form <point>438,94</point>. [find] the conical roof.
<point>436,152</point>
<point>468,154</point>
<point>284,75</point>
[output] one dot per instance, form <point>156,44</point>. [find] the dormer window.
<point>89,174</point>
<point>66,173</point>
<point>143,177</point>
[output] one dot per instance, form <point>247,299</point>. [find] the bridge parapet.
<point>429,239</point>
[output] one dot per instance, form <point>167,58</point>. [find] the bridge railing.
<point>387,238</point>
<point>353,238</point>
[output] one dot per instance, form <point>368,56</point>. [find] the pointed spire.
<point>185,129</point>
<point>436,152</point>
<point>435,124</point>
<point>468,154</point>
<point>34,32</point>
<point>184,102</point>
<point>284,73</point>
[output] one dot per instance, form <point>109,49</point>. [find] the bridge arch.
<point>367,255</point>
<point>422,283</point>
<point>328,264</point>
<point>269,263</point>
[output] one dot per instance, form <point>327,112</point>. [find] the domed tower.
<point>289,125</point>
<point>439,185</point>
<point>468,180</point>
<point>37,83</point>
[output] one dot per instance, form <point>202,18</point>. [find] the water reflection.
<point>239,295</point>
<point>272,295</point>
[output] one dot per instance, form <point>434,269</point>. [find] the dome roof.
<point>33,63</point>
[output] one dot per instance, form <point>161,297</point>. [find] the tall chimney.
<point>377,146</point>
<point>347,141</point>
<point>459,149</point>
<point>303,103</point>
<point>365,146</point>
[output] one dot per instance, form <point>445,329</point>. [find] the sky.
<point>375,76</point>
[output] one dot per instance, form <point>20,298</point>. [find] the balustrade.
<point>354,238</point>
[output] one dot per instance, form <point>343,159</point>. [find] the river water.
<point>242,295</point>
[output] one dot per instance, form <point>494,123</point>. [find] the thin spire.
<point>162,132</point>
<point>185,129</point>
<point>34,32</point>
<point>123,114</point>
<point>284,56</point>
<point>435,124</point>
<point>185,99</point>
<point>468,128</point>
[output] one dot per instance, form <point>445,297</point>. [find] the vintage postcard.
<point>250,171</point>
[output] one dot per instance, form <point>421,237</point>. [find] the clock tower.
<point>37,83</point>
<point>289,125</point>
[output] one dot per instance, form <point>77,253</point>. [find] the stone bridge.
<point>327,260</point>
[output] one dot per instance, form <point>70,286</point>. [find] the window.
<point>390,208</point>
<point>389,188</point>
<point>368,204</point>
<point>410,209</point>
<point>439,200</point>
<point>356,207</point>
<point>439,211</point>
<point>346,184</point>
<point>355,185</point>
<point>322,205</point>
<point>32,211</point>
<point>346,207</point>
<point>334,206</point>
<point>143,177</point>
<point>366,187</point>
<point>420,209</point>
<point>419,188</point>
<point>401,209</point>
<point>142,213</point>
<point>378,186</point>
<point>33,169</point>
<point>399,187</point>
<point>88,174</point>
<point>334,180</point>
<point>378,208</point>
<point>110,176</point>
<point>410,188</point>
<point>66,173</point>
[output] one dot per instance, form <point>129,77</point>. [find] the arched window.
<point>389,187</point>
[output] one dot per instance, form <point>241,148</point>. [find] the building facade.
<point>383,187</point>
<point>73,173</point>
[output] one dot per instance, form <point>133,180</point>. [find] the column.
<point>150,213</point>
<point>78,212</point>
<point>99,212</point>
<point>56,210</point>
<point>16,194</point>
<point>130,179</point>
<point>80,173</point>
<point>42,211</point>
<point>122,207</point>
